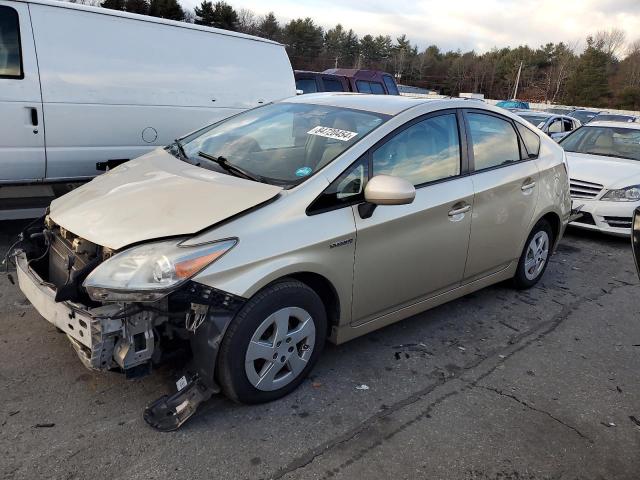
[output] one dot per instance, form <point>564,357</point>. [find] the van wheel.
<point>272,343</point>
<point>535,256</point>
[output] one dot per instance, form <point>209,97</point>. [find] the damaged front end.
<point>122,330</point>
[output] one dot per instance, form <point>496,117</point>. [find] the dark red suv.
<point>346,80</point>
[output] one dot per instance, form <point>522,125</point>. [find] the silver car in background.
<point>554,125</point>
<point>321,217</point>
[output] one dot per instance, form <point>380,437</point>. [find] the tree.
<point>170,9</point>
<point>113,4</point>
<point>137,6</point>
<point>225,17</point>
<point>205,14</point>
<point>589,84</point>
<point>333,41</point>
<point>269,28</point>
<point>304,41</point>
<point>247,22</point>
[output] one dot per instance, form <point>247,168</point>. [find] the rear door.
<point>22,154</point>
<point>408,253</point>
<point>505,183</point>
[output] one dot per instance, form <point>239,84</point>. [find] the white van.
<point>83,89</point>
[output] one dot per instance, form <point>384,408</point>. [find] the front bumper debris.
<point>132,337</point>
<point>168,413</point>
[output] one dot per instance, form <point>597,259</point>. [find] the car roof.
<point>526,113</point>
<point>613,124</point>
<point>385,104</point>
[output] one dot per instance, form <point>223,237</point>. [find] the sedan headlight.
<point>628,194</point>
<point>148,272</point>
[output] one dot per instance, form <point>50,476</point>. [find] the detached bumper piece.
<point>168,413</point>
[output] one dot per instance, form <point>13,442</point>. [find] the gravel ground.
<point>501,384</point>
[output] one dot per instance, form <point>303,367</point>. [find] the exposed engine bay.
<point>187,324</point>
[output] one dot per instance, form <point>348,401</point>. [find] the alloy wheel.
<point>280,348</point>
<point>537,254</point>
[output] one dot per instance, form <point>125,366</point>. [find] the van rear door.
<point>22,153</point>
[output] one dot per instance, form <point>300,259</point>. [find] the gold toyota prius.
<point>251,242</point>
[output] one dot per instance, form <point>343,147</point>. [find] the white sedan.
<point>604,171</point>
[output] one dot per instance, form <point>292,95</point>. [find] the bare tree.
<point>612,41</point>
<point>247,22</point>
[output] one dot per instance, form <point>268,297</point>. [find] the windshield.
<point>535,119</point>
<point>282,143</point>
<point>614,118</point>
<point>605,141</point>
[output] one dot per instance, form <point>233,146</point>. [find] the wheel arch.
<point>324,289</point>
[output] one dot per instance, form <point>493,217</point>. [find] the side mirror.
<point>299,92</point>
<point>389,190</point>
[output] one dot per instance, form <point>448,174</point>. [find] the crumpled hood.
<point>608,171</point>
<point>154,196</point>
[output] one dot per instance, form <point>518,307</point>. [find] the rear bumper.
<point>91,331</point>
<point>608,217</point>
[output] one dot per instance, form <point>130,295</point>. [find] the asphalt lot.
<point>498,385</point>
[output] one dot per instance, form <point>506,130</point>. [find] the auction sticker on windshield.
<point>344,135</point>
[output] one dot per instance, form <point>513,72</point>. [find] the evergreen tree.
<point>113,4</point>
<point>304,40</point>
<point>137,6</point>
<point>270,28</point>
<point>170,9</point>
<point>589,85</point>
<point>225,17</point>
<point>205,14</point>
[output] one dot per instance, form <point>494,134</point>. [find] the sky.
<point>462,24</point>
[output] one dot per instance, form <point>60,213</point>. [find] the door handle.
<point>458,211</point>
<point>34,117</point>
<point>528,186</point>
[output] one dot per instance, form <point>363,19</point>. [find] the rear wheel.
<point>272,343</point>
<point>535,256</point>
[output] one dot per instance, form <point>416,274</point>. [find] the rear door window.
<point>332,85</point>
<point>10,54</point>
<point>494,141</point>
<point>307,85</point>
<point>391,85</point>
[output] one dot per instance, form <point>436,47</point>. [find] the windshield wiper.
<point>181,150</point>
<point>229,167</point>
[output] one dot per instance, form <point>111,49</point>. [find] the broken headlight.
<point>148,272</point>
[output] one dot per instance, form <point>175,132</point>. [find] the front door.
<point>22,155</point>
<point>407,253</point>
<point>506,190</point>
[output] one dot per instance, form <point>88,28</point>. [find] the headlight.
<point>148,272</point>
<point>629,194</point>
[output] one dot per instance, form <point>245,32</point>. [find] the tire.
<point>247,375</point>
<point>533,262</point>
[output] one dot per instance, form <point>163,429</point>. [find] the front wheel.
<point>272,343</point>
<point>535,256</point>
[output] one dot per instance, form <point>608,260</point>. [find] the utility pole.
<point>515,90</point>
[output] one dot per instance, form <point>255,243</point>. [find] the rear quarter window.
<point>530,139</point>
